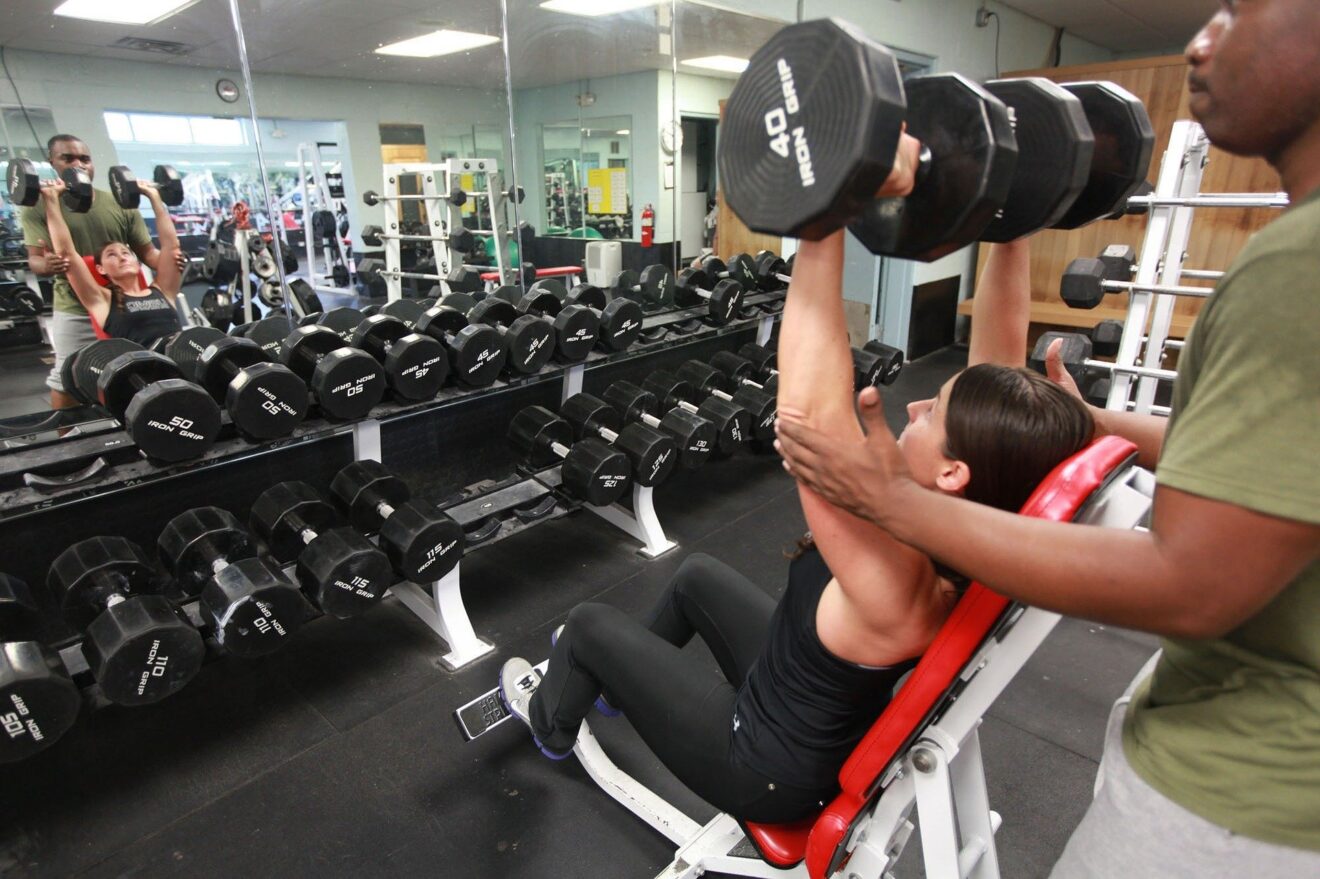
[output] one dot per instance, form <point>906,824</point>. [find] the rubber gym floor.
<point>339,756</point>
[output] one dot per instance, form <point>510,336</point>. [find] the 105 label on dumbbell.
<point>776,125</point>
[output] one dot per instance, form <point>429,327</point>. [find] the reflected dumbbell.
<point>620,320</point>
<point>416,366</point>
<point>169,418</point>
<point>139,647</point>
<point>38,699</point>
<point>246,602</point>
<point>24,184</point>
<point>759,405</point>
<point>723,298</point>
<point>339,569</point>
<point>124,186</point>
<point>651,453</point>
<point>264,400</point>
<point>347,382</point>
<point>732,422</point>
<point>529,339</point>
<point>694,436</point>
<point>576,328</point>
<point>653,287</point>
<point>269,333</point>
<point>591,470</point>
<point>422,543</point>
<point>476,352</point>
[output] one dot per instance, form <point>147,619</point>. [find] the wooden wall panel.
<point>732,235</point>
<point>1217,234</point>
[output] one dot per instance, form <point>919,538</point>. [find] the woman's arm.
<point>94,297</point>
<point>1001,308</point>
<point>169,277</point>
<point>884,587</point>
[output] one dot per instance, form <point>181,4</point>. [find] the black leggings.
<point>681,709</point>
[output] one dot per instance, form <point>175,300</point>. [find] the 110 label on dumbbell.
<point>776,125</point>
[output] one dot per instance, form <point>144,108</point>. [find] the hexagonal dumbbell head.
<point>695,437</point>
<point>140,649</point>
<point>38,700</point>
<point>651,453</point>
<point>416,366</point>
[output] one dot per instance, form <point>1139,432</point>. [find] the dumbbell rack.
<point>309,163</point>
<point>443,217</point>
<point>1176,195</point>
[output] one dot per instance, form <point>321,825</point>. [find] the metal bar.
<point>1171,289</point>
<point>1150,372</point>
<point>1214,200</point>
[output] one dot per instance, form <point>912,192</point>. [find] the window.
<point>169,129</point>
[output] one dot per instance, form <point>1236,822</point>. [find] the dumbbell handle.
<point>384,509</point>
<point>687,407</point>
<point>715,392</point>
<point>560,449</point>
<point>649,420</point>
<point>218,564</point>
<point>608,435</point>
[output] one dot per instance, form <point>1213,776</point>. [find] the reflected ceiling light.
<point>441,42</point>
<point>722,63</point>
<point>122,11</point>
<point>624,131</point>
<point>595,8</point>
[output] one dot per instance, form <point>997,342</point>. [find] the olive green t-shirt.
<point>105,222</point>
<point>1229,727</point>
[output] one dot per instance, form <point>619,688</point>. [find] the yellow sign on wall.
<point>607,191</point>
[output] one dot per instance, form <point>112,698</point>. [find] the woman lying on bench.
<point>802,679</point>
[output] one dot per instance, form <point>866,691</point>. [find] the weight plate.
<point>810,129</point>
<point>1124,143</point>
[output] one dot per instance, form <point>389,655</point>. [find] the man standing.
<point>70,326</point>
<point>1212,762</point>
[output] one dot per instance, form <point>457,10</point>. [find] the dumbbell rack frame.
<point>1176,195</point>
<point>443,218</point>
<point>309,161</point>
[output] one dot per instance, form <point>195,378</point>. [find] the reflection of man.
<point>70,327</point>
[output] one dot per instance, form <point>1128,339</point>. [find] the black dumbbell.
<point>24,185</point>
<point>654,286</point>
<point>732,422</point>
<point>406,310</point>
<point>476,352</point>
<point>620,319</point>
<point>723,299</point>
<point>124,186</point>
<point>343,320</point>
<point>740,268</point>
<point>591,471</point>
<point>248,604</point>
<point>576,327</point>
<point>529,339</point>
<point>347,382</point>
<point>269,333</point>
<point>339,569</point>
<point>38,699</point>
<point>422,543</point>
<point>139,647</point>
<point>742,371</point>
<point>759,405</point>
<point>264,400</point>
<point>416,366</point>
<point>695,436</point>
<point>169,418</point>
<point>772,272</point>
<point>1106,337</point>
<point>875,364</point>
<point>652,454</point>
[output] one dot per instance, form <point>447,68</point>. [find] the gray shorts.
<point>68,332</point>
<point>1132,830</point>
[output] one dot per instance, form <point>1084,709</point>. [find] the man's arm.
<point>1001,308</point>
<point>1157,581</point>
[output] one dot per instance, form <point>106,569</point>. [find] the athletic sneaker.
<point>518,681</point>
<point>602,706</point>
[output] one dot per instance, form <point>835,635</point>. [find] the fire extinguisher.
<point>648,226</point>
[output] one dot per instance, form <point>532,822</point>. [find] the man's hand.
<point>181,260</point>
<point>55,263</point>
<point>1056,371</point>
<point>866,479</point>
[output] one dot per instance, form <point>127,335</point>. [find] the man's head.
<point>68,151</point>
<point>1255,75</point>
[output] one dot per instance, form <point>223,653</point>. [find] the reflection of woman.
<point>125,309</point>
<point>802,679</point>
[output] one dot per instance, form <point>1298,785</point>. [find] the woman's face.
<point>118,261</point>
<point>922,440</point>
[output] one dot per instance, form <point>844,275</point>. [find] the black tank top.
<point>142,319</point>
<point>802,710</point>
